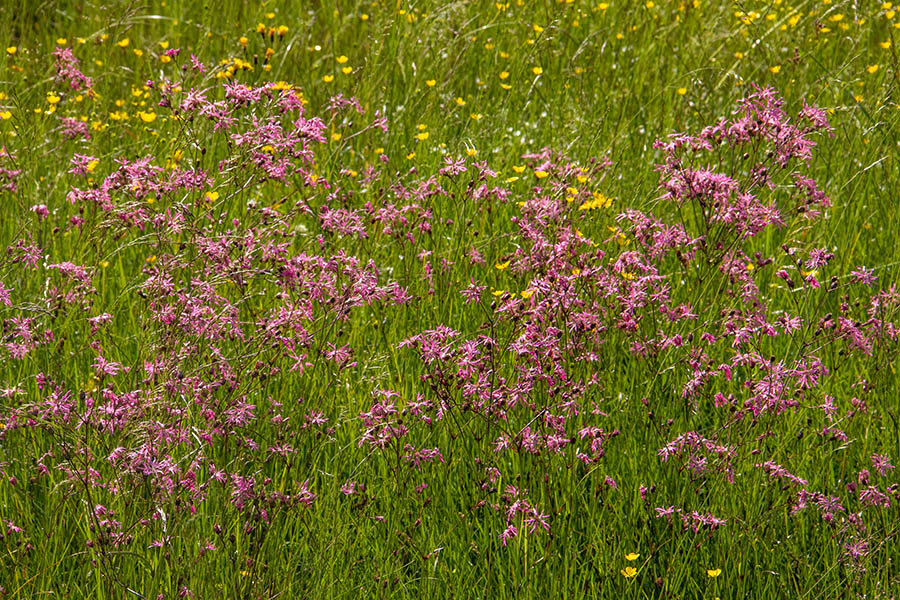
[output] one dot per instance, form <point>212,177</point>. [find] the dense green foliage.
<point>383,320</point>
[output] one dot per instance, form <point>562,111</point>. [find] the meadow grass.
<point>425,346</point>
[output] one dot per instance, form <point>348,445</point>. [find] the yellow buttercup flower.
<point>713,572</point>
<point>628,572</point>
<point>631,556</point>
<point>123,43</point>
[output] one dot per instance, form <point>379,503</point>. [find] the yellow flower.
<point>53,98</point>
<point>336,136</point>
<point>872,69</point>
<point>775,70</point>
<point>410,156</point>
<point>504,75</point>
<point>138,52</point>
<point>347,70</point>
<point>147,117</point>
<point>631,556</point>
<point>628,572</point>
<point>123,43</point>
<point>502,266</point>
<point>460,101</point>
<point>422,136</point>
<point>519,168</point>
<point>430,82</point>
<point>5,115</point>
<point>681,91</point>
<point>713,572</point>
<point>341,59</point>
<point>328,78</point>
<point>537,28</point>
<point>472,151</point>
<point>541,174</point>
<point>61,41</point>
<point>164,45</point>
<point>527,294</point>
<point>11,50</point>
<point>165,59</point>
<point>212,196</point>
<point>537,70</point>
<point>476,116</point>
